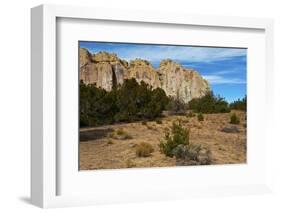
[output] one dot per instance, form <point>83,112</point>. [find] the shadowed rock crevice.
<point>114,79</point>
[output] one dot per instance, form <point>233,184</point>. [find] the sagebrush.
<point>176,136</point>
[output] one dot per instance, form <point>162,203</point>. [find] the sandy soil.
<point>100,148</point>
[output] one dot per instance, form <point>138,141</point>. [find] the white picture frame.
<point>45,153</point>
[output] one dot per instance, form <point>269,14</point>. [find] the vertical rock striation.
<point>106,70</point>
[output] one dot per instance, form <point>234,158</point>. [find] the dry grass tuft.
<point>144,123</point>
<point>110,142</point>
<point>158,121</point>
<point>130,163</point>
<point>144,149</point>
<point>120,134</point>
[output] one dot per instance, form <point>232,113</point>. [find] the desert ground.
<point>114,146</point>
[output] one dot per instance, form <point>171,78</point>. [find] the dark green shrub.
<point>234,119</point>
<point>176,105</point>
<point>189,152</point>
<point>96,105</point>
<point>139,101</point>
<point>158,121</point>
<point>129,102</point>
<point>177,145</point>
<point>176,136</point>
<point>144,149</point>
<point>209,104</point>
<point>239,104</point>
<point>200,117</point>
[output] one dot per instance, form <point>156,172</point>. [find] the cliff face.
<point>106,70</point>
<point>180,82</point>
<point>142,70</point>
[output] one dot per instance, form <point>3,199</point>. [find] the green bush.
<point>144,149</point>
<point>96,105</point>
<point>176,105</point>
<point>200,117</point>
<point>239,104</point>
<point>189,152</point>
<point>234,119</point>
<point>174,137</point>
<point>192,154</point>
<point>129,102</point>
<point>177,145</point>
<point>209,104</point>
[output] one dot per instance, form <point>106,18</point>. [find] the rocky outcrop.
<point>180,82</point>
<point>103,69</point>
<point>85,57</point>
<point>106,70</point>
<point>142,70</point>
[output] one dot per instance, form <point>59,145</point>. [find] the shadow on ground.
<point>94,134</point>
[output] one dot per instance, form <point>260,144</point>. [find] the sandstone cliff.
<point>107,70</point>
<point>180,82</point>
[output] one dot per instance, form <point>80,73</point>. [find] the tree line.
<point>128,102</point>
<point>211,103</point>
<point>133,101</point>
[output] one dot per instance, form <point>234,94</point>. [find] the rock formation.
<point>142,70</point>
<point>106,70</point>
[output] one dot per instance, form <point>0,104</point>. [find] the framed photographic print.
<point>149,106</point>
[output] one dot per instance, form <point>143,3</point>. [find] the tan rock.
<point>104,57</point>
<point>85,57</point>
<point>142,70</point>
<point>107,70</point>
<point>177,81</point>
<point>100,74</point>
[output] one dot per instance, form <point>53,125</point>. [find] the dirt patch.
<point>99,149</point>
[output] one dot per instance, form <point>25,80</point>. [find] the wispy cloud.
<point>224,68</point>
<point>217,79</point>
<point>233,70</point>
<point>191,54</point>
<point>160,52</point>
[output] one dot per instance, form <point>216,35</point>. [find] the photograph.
<point>161,105</point>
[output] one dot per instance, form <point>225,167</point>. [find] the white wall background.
<point>15,105</point>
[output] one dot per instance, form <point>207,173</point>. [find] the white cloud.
<point>191,54</point>
<point>217,79</point>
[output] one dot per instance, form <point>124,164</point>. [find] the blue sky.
<point>224,68</point>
